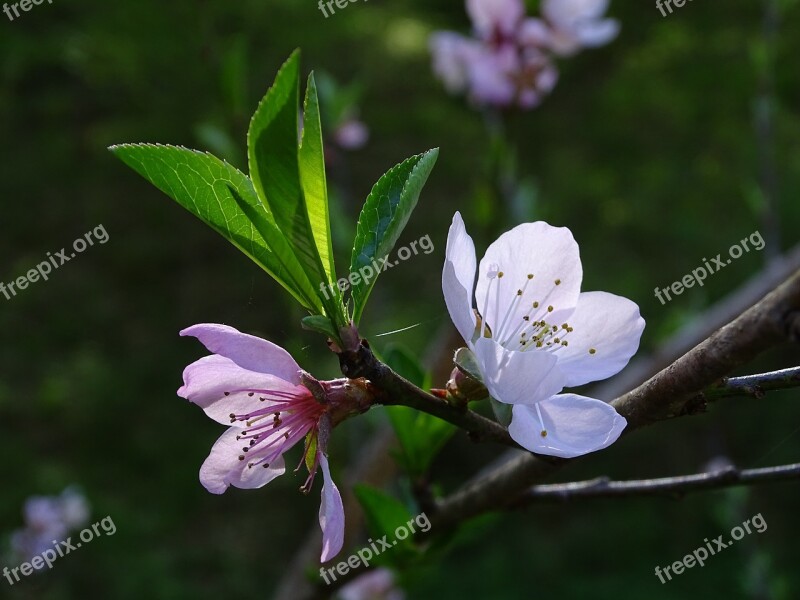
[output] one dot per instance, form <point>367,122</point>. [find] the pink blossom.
<point>259,390</point>
<point>509,61</point>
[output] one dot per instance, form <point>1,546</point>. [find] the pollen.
<point>535,305</point>
<point>500,273</point>
<point>519,292</point>
<point>550,308</point>
<point>592,351</point>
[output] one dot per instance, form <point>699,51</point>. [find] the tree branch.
<point>392,389</point>
<point>754,385</point>
<point>675,487</point>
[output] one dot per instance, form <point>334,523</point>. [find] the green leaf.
<point>421,437</point>
<point>320,324</point>
<point>312,175</point>
<point>220,195</point>
<point>275,168</point>
<point>383,218</point>
<point>466,362</point>
<point>384,513</point>
<point>403,362</point>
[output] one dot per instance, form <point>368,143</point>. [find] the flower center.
<point>270,431</point>
<point>533,329</point>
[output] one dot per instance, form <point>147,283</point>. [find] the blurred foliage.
<point>646,150</point>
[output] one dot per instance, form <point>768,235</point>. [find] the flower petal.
<point>452,53</point>
<point>223,468</point>
<point>492,16</point>
<point>458,278</point>
<point>248,351</point>
<point>548,253</point>
<point>518,377</point>
<point>598,33</point>
<point>608,324</point>
<point>575,425</point>
<point>331,513</point>
<point>206,381</point>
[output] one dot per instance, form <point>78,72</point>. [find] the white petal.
<point>223,468</point>
<point>248,351</point>
<point>610,325</point>
<point>490,16</point>
<point>331,513</point>
<point>518,377</point>
<point>598,33</point>
<point>458,278</point>
<point>575,425</point>
<point>548,253</point>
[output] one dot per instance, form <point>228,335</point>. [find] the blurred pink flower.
<point>377,584</point>
<point>509,61</point>
<point>47,519</point>
<point>577,24</point>
<point>255,387</point>
<point>351,134</point>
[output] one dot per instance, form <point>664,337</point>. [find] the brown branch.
<point>675,487</point>
<point>392,389</point>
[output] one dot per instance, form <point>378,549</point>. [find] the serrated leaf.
<point>383,218</point>
<point>216,192</point>
<point>273,154</point>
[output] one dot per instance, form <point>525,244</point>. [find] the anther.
<point>558,282</point>
<point>592,351</point>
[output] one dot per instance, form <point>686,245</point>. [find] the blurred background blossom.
<point>48,519</point>
<point>509,59</point>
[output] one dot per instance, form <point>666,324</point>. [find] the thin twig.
<point>675,487</point>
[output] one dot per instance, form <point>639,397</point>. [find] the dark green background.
<point>646,150</point>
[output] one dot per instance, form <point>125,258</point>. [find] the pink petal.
<point>490,16</point>
<point>247,351</point>
<point>331,513</point>
<point>207,380</point>
<point>223,468</point>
